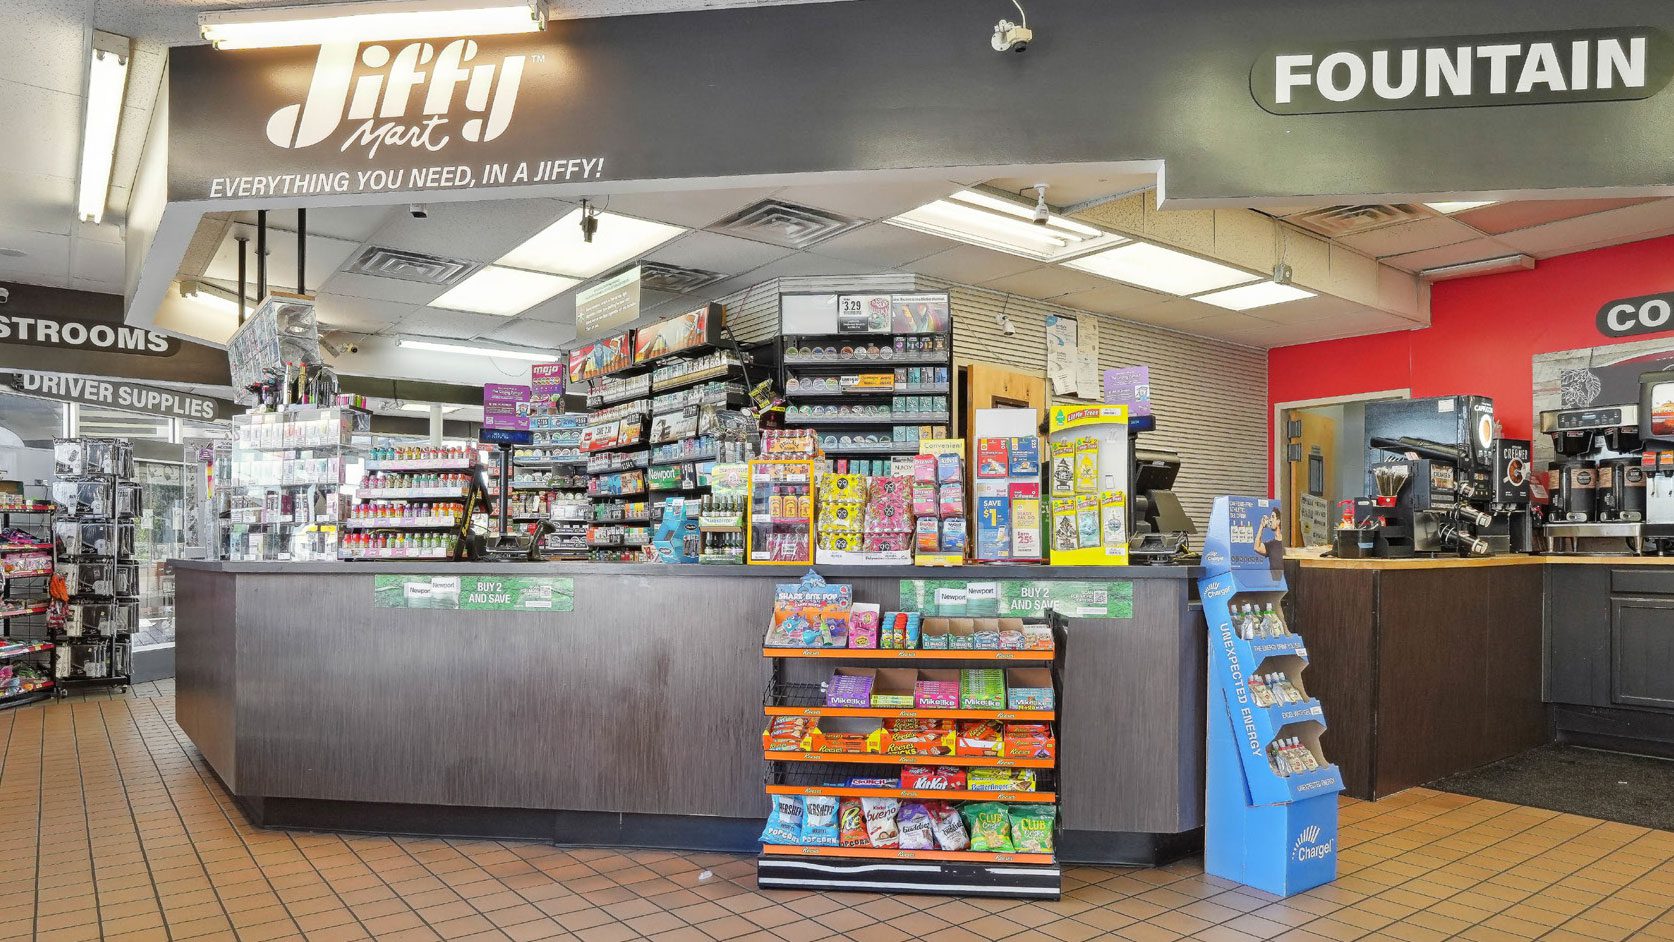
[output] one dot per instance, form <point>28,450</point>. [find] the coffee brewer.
<point>1429,502</point>
<point>1597,481</point>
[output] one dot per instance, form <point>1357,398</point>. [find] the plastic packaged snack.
<point>979,738</point>
<point>881,829</point>
<point>851,824</point>
<point>916,827</point>
<point>819,821</point>
<point>990,827</point>
<point>925,778</point>
<point>784,822</point>
<point>947,826</point>
<point>1000,780</point>
<point>785,734</point>
<point>1031,828</point>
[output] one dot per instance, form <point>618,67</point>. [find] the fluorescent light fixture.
<point>107,80</point>
<point>220,304</point>
<point>561,250</point>
<point>1260,294</point>
<point>993,222</point>
<point>1458,206</point>
<point>435,347</point>
<point>376,21</point>
<point>1160,269</point>
<point>503,292</point>
<point>1487,266</point>
<point>424,408</point>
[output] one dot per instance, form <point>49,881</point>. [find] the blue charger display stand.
<point>1270,819</point>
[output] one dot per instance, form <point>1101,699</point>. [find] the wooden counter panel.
<point>1334,610</point>
<point>1307,561</point>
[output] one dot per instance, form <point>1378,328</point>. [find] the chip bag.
<point>947,826</point>
<point>784,822</point>
<point>881,828</point>
<point>990,826</point>
<point>1031,828</point>
<point>819,821</point>
<point>916,827</point>
<point>851,824</point>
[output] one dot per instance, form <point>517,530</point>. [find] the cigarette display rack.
<point>795,691</point>
<point>25,570</point>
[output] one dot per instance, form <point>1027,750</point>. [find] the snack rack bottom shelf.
<point>880,870</point>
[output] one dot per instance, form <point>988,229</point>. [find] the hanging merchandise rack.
<point>25,571</point>
<point>94,607</point>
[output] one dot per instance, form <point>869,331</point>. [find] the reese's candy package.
<point>851,824</point>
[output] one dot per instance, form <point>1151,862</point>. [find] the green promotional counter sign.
<point>476,593</point>
<point>1013,598</point>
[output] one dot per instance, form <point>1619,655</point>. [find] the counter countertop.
<point>1319,562</point>
<point>420,567</point>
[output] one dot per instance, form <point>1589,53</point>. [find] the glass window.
<point>27,428</point>
<point>100,422</point>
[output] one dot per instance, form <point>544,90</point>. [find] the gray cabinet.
<point>1642,645</point>
<point>1578,634</point>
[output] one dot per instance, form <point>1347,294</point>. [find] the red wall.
<point>1483,334</point>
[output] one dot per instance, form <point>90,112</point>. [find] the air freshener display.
<point>1087,477</point>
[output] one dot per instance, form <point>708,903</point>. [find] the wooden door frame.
<point>1281,467</point>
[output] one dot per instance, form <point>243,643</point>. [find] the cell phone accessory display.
<point>26,571</point>
<point>93,608</point>
<point>286,496</point>
<point>1271,809</point>
<point>940,776</point>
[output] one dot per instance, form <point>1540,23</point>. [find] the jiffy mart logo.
<point>1308,845</point>
<point>384,96</point>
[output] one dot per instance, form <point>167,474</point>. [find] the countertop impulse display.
<point>94,609</point>
<point>286,498</point>
<point>26,566</point>
<point>921,779</point>
<point>415,502</point>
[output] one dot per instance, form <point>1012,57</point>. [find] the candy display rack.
<point>26,566</point>
<point>91,625</point>
<point>796,690</point>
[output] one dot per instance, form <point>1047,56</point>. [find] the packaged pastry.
<point>1063,467</point>
<point>990,826</point>
<point>914,825</point>
<point>881,829</point>
<point>851,824</point>
<point>784,822</point>
<point>819,821</point>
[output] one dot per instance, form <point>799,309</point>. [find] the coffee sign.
<point>1648,314</point>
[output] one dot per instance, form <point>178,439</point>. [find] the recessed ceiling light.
<point>1249,297</point>
<point>369,22</point>
<point>1458,206</point>
<point>436,347</point>
<point>425,408</point>
<point>561,250</point>
<point>1160,269</point>
<point>11,252</point>
<point>503,291</point>
<point>982,219</point>
<point>106,82</point>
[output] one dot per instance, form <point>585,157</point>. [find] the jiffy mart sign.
<point>131,397</point>
<point>1612,64</point>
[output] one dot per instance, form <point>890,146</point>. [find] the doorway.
<point>1319,460</point>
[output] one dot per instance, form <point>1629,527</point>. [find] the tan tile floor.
<point>116,830</point>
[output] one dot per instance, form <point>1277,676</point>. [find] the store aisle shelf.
<point>23,547</point>
<point>879,758</point>
<point>1007,716</point>
<point>876,853</point>
<point>10,648</point>
<point>910,654</point>
<point>915,794</point>
<point>19,611</point>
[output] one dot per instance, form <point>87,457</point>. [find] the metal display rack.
<point>435,494</point>
<point>870,869</point>
<point>91,626</point>
<point>24,601</point>
<point>549,482</point>
<point>284,482</point>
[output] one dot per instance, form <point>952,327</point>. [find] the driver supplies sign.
<point>476,593</point>
<point>1016,598</point>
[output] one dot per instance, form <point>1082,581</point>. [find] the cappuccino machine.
<point>1442,482</point>
<point>1599,478</point>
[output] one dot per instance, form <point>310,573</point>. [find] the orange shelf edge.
<point>875,758</point>
<point>875,853</point>
<point>914,714</point>
<point>913,654</point>
<point>928,794</point>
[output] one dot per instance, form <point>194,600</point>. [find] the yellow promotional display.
<point>1087,480</point>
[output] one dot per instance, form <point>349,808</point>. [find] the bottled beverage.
<point>1270,621</point>
<point>1287,689</point>
<point>1260,692</point>
<point>1277,759</point>
<point>1305,755</point>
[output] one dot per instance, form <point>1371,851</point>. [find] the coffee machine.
<point>1598,480</point>
<point>1429,502</point>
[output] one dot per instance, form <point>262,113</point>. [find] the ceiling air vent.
<point>675,280</point>
<point>380,262</point>
<point>1334,221</point>
<point>779,223</point>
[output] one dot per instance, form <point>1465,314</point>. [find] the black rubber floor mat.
<point>1613,786</point>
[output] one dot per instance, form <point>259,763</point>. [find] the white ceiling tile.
<point>1628,224</point>
<point>46,258</point>
<point>559,310</point>
<point>970,265</point>
<point>364,315</point>
<point>106,231</point>
<point>693,209</point>
<point>387,289</point>
<point>481,232</point>
<point>803,263</point>
<point>881,244</point>
<point>48,52</point>
<point>51,143</point>
<point>1459,253</point>
<point>1046,282</point>
<point>325,256</point>
<point>542,335</point>
<point>1410,237</point>
<point>1111,298</point>
<point>97,261</point>
<point>41,203</point>
<point>435,322</point>
<point>711,251</point>
<point>869,201</point>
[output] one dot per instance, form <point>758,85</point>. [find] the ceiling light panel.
<point>982,219</point>
<point>422,407</point>
<point>561,250</point>
<point>107,82</point>
<point>1250,297</point>
<point>503,291</point>
<point>1159,269</point>
<point>377,21</point>
<point>1459,206</point>
<point>492,352</point>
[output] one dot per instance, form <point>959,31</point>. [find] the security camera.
<point>418,210</point>
<point>1043,212</point>
<point>351,347</point>
<point>5,295</point>
<point>1006,326</point>
<point>1013,37</point>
